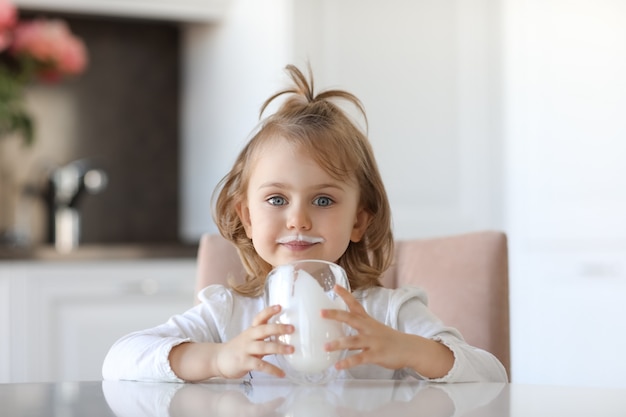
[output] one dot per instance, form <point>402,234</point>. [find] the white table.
<point>281,398</point>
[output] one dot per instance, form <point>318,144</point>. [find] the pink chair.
<point>465,276</point>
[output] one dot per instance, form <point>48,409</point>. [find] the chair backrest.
<point>465,276</point>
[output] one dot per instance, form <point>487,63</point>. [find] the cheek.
<point>260,220</point>
<point>340,224</point>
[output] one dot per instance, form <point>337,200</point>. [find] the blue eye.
<point>323,201</point>
<point>277,201</point>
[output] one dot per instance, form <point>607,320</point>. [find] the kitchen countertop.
<point>97,252</point>
<point>355,397</point>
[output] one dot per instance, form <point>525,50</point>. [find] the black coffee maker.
<point>66,187</point>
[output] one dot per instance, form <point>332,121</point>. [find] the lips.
<point>299,241</point>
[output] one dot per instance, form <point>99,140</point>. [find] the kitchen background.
<point>121,116</point>
<point>504,115</point>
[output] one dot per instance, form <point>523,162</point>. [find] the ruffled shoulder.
<point>405,293</point>
<point>385,296</point>
<point>384,303</point>
<point>215,294</point>
<point>230,312</point>
<point>219,301</point>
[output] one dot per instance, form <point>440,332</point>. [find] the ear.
<point>361,222</point>
<point>244,215</point>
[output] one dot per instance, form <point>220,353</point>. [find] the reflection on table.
<point>270,397</point>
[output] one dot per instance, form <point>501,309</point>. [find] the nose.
<point>298,218</point>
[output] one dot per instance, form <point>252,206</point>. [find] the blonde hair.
<point>317,125</point>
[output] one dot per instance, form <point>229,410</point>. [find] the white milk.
<point>311,330</point>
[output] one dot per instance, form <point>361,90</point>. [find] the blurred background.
<point>484,114</point>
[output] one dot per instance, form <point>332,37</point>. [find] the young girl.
<point>306,186</point>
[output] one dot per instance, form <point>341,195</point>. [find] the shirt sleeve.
<point>144,355</point>
<point>471,364</point>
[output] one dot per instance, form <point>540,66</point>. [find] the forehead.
<point>282,158</point>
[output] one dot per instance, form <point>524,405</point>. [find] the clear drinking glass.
<point>302,289</point>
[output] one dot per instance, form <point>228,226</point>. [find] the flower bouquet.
<point>32,50</point>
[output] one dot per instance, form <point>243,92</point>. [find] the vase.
<point>12,164</point>
<point>7,196</point>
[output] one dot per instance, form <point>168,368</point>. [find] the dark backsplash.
<point>128,100</point>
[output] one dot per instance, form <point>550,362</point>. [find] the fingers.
<point>264,331</point>
<point>355,320</point>
<point>242,355</point>
<point>360,355</point>
<point>353,305</point>
<point>260,328</point>
<point>254,363</point>
<point>348,343</point>
<point>245,352</point>
<point>265,315</point>
<point>349,317</point>
<point>262,348</point>
<point>351,361</point>
<point>268,368</point>
<point>262,335</point>
<point>338,315</point>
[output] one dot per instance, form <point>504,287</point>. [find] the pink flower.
<point>39,50</point>
<point>8,15</point>
<point>51,44</point>
<point>5,40</point>
<point>8,18</point>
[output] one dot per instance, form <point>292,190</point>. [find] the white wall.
<point>565,149</point>
<point>230,68</point>
<point>426,72</point>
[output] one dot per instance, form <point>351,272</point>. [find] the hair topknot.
<point>304,91</point>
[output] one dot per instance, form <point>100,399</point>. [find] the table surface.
<point>281,398</point>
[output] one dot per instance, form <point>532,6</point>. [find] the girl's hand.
<point>245,352</point>
<point>381,345</point>
<point>199,361</point>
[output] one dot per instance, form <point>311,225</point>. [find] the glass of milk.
<point>302,289</point>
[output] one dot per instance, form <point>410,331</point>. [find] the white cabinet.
<point>180,10</point>
<point>5,321</point>
<point>58,319</point>
<point>568,310</point>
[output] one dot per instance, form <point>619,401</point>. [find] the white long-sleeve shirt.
<point>223,314</point>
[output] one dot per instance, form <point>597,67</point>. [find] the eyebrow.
<point>316,187</point>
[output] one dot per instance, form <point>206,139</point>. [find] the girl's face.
<point>295,210</point>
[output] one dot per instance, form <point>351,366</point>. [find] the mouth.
<point>299,241</point>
